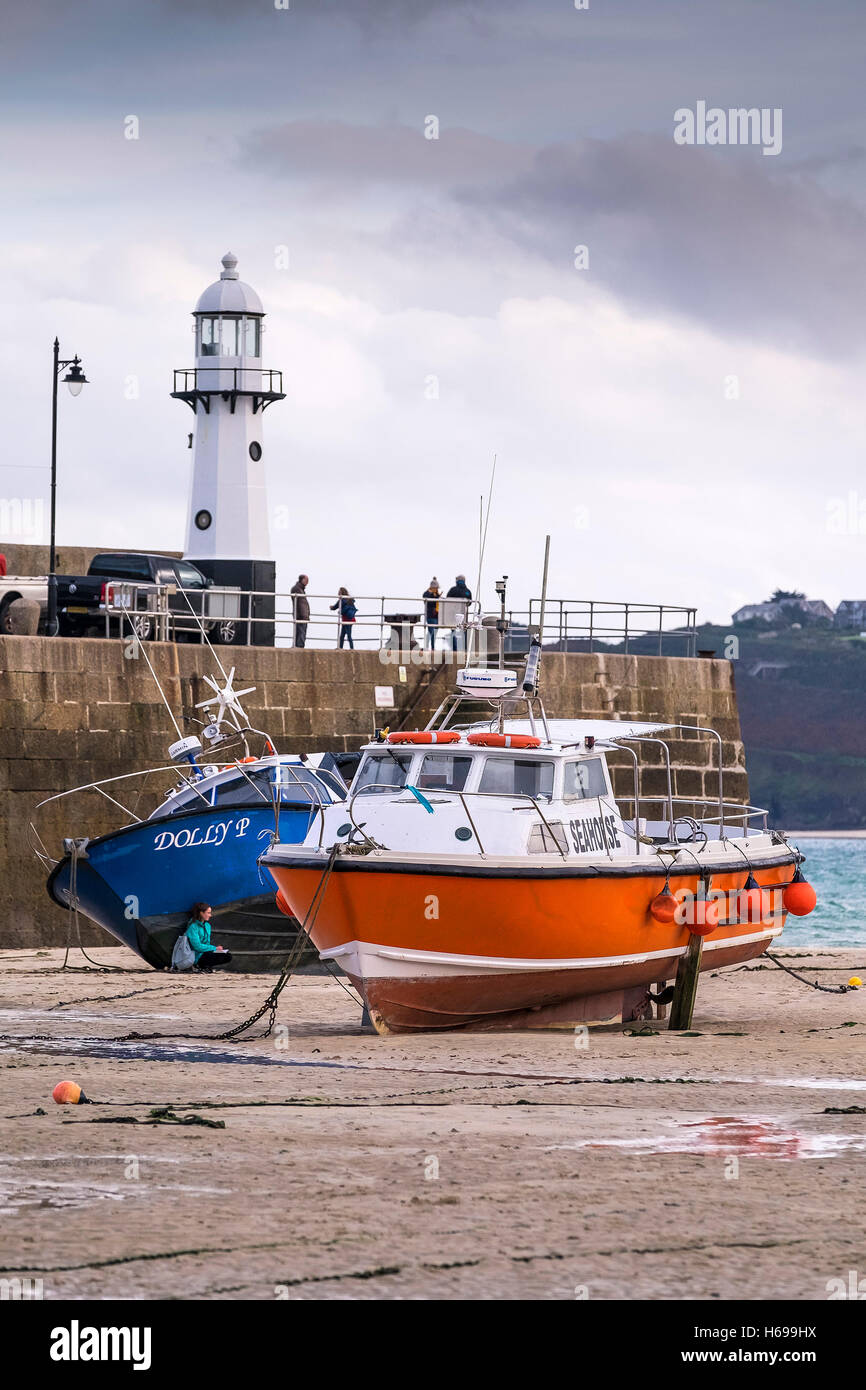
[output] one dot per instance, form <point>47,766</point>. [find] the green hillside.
<point>803,718</point>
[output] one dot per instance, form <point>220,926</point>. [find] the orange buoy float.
<point>504,740</point>
<point>69,1093</point>
<point>664,906</point>
<point>702,916</point>
<point>799,897</point>
<point>426,736</point>
<point>282,904</point>
<point>753,904</point>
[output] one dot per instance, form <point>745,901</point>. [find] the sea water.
<point>836,868</point>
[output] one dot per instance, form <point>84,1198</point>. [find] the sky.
<point>678,405</point>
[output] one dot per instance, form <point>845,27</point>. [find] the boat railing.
<point>202,786</point>
<point>731,813</point>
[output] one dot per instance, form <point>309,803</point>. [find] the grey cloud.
<point>710,234</point>
<point>706,232</point>
<point>393,154</point>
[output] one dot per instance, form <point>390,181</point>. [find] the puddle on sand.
<point>16,1195</point>
<point>41,1193</point>
<point>728,1135</point>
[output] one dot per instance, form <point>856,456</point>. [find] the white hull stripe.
<point>354,948</point>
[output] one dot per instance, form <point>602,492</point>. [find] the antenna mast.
<point>483,520</point>
<point>533,660</point>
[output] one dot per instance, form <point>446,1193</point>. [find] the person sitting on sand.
<point>207,956</point>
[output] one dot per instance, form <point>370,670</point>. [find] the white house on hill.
<point>770,612</point>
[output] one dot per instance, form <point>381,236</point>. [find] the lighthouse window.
<point>230,336</point>
<point>210,337</point>
<point>252,338</point>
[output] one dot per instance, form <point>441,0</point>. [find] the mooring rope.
<point>270,1004</point>
<point>813,984</point>
<point>75,923</point>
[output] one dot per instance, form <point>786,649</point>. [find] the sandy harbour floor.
<point>479,1166</point>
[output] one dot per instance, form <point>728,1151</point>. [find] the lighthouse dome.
<point>228,294</point>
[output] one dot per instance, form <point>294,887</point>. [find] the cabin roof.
<point>565,731</point>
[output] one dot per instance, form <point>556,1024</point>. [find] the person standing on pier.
<point>348,611</point>
<point>301,609</point>
<point>207,956</point>
<point>431,610</point>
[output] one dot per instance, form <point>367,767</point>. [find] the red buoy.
<point>68,1093</point>
<point>283,905</point>
<point>799,897</point>
<point>664,906</point>
<point>702,916</point>
<point>753,904</point>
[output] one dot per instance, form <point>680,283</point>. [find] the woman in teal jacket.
<point>207,956</point>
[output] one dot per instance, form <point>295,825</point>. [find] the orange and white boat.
<point>485,875</point>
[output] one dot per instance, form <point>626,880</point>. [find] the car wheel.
<point>6,618</point>
<point>227,630</point>
<point>142,626</point>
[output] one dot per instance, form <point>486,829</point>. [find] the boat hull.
<point>139,883</point>
<point>441,948</point>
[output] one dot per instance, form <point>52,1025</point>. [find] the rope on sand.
<point>813,984</point>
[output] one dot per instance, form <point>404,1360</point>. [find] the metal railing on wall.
<point>401,623</point>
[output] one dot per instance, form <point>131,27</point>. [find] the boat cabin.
<point>286,781</point>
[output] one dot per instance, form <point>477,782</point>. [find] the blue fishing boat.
<point>201,844</point>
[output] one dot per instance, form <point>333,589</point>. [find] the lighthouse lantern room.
<point>228,391</point>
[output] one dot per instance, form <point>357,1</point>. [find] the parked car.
<point>125,588</point>
<point>14,586</point>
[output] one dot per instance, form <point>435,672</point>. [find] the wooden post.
<point>686,987</point>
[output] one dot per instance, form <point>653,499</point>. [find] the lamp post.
<point>74,379</point>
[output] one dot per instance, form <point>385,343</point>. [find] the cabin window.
<point>444,772</point>
<point>382,773</point>
<point>517,777</point>
<point>547,839</point>
<point>584,780</point>
<point>238,792</point>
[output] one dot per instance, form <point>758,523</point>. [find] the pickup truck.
<point>13,586</point>
<point>125,589</point>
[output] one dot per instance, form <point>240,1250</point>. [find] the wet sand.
<point>478,1166</point>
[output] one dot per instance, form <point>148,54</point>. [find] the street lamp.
<point>74,379</point>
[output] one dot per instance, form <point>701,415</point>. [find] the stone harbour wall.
<point>74,711</point>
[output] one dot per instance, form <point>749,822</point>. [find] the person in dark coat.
<point>431,610</point>
<point>301,607</point>
<point>348,612</point>
<point>459,589</point>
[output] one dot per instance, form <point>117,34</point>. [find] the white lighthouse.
<point>228,392</point>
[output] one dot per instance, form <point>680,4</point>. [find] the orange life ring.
<point>426,736</point>
<point>250,759</point>
<point>504,740</point>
